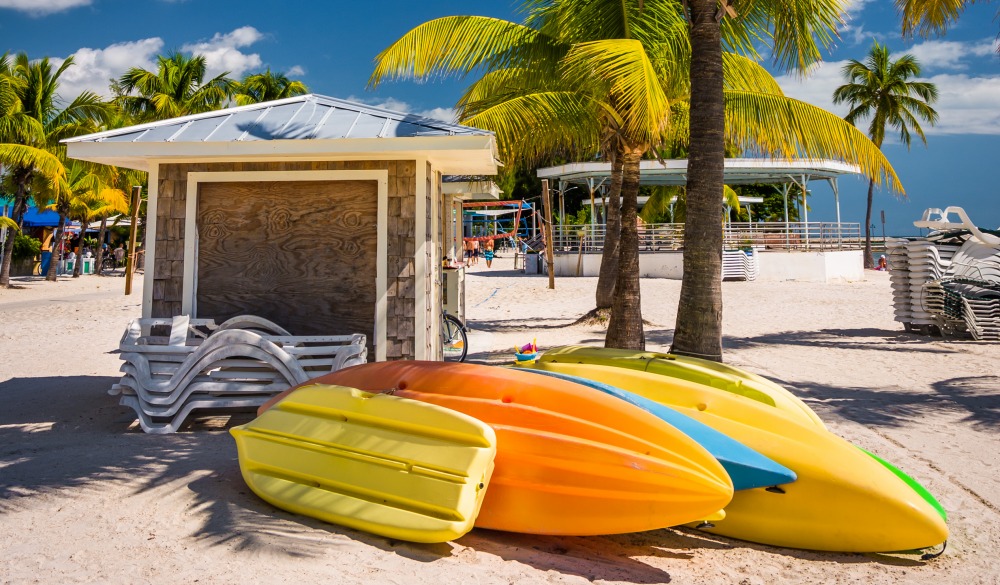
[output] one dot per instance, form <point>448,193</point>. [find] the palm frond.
<point>42,161</point>
<point>454,45</point>
<point>784,127</point>
<point>532,125</point>
<point>636,93</point>
<point>927,17</point>
<point>743,74</point>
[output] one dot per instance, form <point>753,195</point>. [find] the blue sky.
<point>330,46</point>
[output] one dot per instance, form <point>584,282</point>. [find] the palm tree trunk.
<point>78,263</point>
<point>57,240</point>
<point>99,253</point>
<point>612,234</point>
<point>17,214</point>
<point>869,261</point>
<point>625,325</point>
<point>698,330</point>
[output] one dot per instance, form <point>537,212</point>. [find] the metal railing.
<point>813,235</point>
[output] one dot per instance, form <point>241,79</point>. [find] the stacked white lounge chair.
<point>740,265</point>
<point>175,367</point>
<point>948,282</point>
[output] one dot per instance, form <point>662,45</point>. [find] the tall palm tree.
<point>267,86</point>
<point>881,89</point>
<point>177,88</point>
<point>93,197</point>
<point>617,68</point>
<point>34,85</point>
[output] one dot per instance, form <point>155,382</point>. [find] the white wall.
<point>838,266</point>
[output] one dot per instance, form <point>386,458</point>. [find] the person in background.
<point>488,253</point>
<point>119,254</point>
<point>882,263</point>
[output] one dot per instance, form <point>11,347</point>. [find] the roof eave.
<point>455,154</point>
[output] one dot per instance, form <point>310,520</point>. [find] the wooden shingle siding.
<point>401,286</point>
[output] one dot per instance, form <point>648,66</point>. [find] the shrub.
<point>26,247</point>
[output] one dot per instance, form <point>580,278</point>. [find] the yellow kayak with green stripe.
<point>706,372</point>
<point>842,500</point>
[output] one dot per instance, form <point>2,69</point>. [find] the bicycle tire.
<point>454,342</point>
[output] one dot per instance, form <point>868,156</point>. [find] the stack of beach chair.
<point>175,367</point>
<point>949,281</point>
<point>740,265</point>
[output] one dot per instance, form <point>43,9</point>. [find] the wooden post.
<point>130,265</point>
<point>548,232</point>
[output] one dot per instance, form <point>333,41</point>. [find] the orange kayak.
<point>570,460</point>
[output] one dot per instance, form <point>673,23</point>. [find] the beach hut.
<point>325,216</point>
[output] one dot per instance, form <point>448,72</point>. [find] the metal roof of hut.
<point>301,128</point>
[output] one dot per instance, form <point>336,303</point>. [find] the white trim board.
<point>188,298</point>
<point>149,268</point>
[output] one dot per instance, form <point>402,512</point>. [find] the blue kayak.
<point>747,468</point>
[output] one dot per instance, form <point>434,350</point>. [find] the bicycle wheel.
<point>453,339</point>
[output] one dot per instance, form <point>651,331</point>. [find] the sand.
<point>87,498</point>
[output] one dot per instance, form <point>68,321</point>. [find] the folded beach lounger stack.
<point>174,367</point>
<point>917,264</point>
<point>972,286</point>
<point>740,265</point>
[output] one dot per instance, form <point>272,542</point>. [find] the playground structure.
<point>513,223</point>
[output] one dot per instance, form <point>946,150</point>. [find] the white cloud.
<point>448,115</point>
<point>444,114</point>
<point>93,68</point>
<point>42,7</point>
<point>966,104</point>
<point>222,52</point>
<point>296,71</point>
<point>937,54</point>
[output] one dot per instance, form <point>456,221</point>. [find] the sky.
<point>330,46</point>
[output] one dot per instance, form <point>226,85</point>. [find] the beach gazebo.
<point>325,216</point>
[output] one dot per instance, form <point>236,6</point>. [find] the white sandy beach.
<point>85,497</point>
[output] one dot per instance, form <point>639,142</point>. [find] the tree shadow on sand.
<point>978,398</point>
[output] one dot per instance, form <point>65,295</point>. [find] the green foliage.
<point>26,247</point>
<point>773,207</point>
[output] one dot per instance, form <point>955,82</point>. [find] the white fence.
<point>811,235</point>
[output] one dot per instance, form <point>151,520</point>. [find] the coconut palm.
<point>603,75</point>
<point>177,88</point>
<point>92,200</point>
<point>34,85</point>
<point>881,89</point>
<point>267,86</point>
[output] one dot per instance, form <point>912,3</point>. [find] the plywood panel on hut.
<point>302,254</point>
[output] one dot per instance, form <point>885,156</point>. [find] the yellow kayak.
<point>706,372</point>
<point>843,499</point>
<point>386,465</point>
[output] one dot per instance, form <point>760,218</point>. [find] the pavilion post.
<point>788,239</point>
<point>836,200</point>
<point>548,233</point>
<point>133,230</point>
<point>805,207</point>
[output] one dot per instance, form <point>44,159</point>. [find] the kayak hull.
<point>568,462</point>
<point>709,373</point>
<point>383,464</point>
<point>842,500</point>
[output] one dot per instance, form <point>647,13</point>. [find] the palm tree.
<point>617,66</point>
<point>32,126</point>
<point>39,98</point>
<point>94,199</point>
<point>881,89</point>
<point>267,86</point>
<point>176,88</point>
